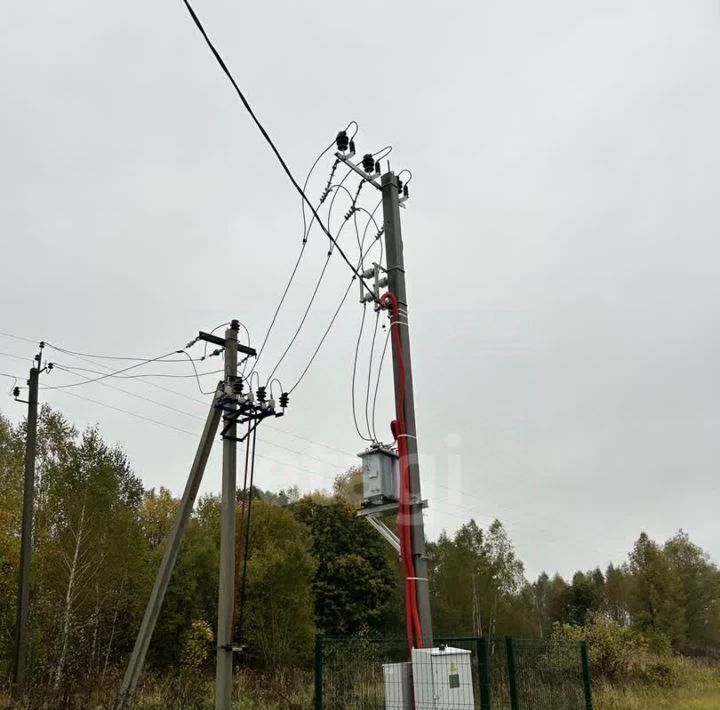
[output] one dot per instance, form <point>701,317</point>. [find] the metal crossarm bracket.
<point>385,531</point>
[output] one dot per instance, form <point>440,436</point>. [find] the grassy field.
<point>695,686</point>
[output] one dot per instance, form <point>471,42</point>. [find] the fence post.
<point>484,674</point>
<point>512,675</point>
<point>586,675</point>
<point>318,672</point>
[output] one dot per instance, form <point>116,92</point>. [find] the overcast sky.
<point>561,241</point>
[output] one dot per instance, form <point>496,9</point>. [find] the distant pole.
<point>226,591</point>
<point>396,284</point>
<point>23,605</point>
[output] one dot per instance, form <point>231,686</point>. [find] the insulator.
<point>377,166</point>
<point>342,141</point>
<point>406,192</point>
<point>261,394</point>
<point>400,185</point>
<point>238,386</point>
<point>368,163</point>
<point>284,399</point>
<point>352,146</point>
<point>16,392</point>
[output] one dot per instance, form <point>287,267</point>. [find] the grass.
<point>694,685</point>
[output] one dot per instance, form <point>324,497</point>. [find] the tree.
<point>354,586</point>
<point>699,583</point>
<point>280,627</point>
<point>655,593</point>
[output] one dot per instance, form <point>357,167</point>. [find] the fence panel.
<point>367,674</point>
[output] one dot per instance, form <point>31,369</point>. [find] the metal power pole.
<point>226,591</point>
<point>396,284</point>
<point>23,604</point>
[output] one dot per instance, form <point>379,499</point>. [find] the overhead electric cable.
<point>265,135</point>
<point>117,372</point>
<point>369,377</point>
<point>377,382</point>
<point>306,229</point>
<point>354,373</point>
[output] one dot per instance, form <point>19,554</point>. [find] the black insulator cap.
<point>342,141</point>
<point>284,399</point>
<point>261,394</point>
<point>368,163</point>
<point>235,324</point>
<point>352,145</point>
<point>16,392</point>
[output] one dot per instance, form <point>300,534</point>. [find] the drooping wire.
<point>121,371</point>
<point>12,377</point>
<point>369,377</point>
<point>377,383</point>
<point>306,229</point>
<point>197,376</point>
<point>355,362</point>
<point>169,407</point>
<point>240,536</point>
<point>332,322</point>
<point>314,293</point>
<point>108,357</point>
<point>243,587</point>
<point>266,136</point>
<point>142,376</point>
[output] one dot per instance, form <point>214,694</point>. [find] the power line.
<point>354,373</point>
<point>185,431</point>
<point>369,378</point>
<point>265,135</point>
<point>377,382</point>
<point>202,402</point>
<point>187,414</point>
<point>15,357</point>
<point>332,322</point>
<point>306,230</point>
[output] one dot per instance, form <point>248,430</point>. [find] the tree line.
<point>313,567</point>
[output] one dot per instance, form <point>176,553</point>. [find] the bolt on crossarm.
<point>395,267</point>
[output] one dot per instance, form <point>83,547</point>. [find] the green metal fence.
<point>479,673</point>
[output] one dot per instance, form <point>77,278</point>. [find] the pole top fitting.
<point>235,324</point>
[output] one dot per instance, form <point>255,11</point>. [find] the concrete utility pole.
<point>226,588</point>
<point>225,400</point>
<point>396,284</point>
<point>172,548</point>
<point>23,604</point>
